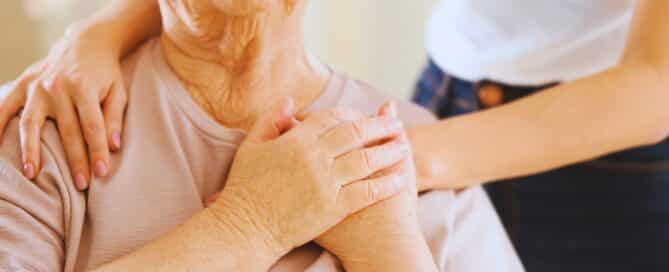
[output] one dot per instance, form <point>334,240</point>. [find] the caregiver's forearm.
<point>621,108</point>
<point>207,242</point>
<point>123,24</point>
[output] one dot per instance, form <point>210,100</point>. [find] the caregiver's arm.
<point>124,24</point>
<point>82,69</point>
<point>623,107</point>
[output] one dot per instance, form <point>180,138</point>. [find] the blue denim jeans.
<point>609,214</point>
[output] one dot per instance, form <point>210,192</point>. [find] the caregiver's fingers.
<point>362,163</point>
<point>13,97</point>
<point>361,194</point>
<point>273,122</point>
<point>363,132</point>
<point>30,126</point>
<point>114,113</point>
<point>73,142</point>
<point>93,127</point>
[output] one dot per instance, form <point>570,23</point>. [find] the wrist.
<point>241,227</point>
<point>438,167</point>
<point>406,255</point>
<point>102,35</point>
<point>427,167</point>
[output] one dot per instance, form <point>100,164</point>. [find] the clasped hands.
<point>337,177</point>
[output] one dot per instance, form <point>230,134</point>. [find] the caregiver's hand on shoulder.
<point>81,71</point>
<point>295,181</point>
<point>385,236</point>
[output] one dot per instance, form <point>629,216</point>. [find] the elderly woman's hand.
<point>295,186</point>
<point>385,236</point>
<point>80,72</point>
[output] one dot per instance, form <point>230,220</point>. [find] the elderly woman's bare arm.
<point>82,69</point>
<point>207,242</point>
<point>623,107</point>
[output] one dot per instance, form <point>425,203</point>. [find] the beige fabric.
<point>173,157</point>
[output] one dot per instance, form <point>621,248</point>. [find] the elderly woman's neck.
<point>235,77</point>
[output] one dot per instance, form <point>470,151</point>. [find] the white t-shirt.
<point>528,42</point>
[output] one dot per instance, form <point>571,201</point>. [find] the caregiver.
<point>598,96</point>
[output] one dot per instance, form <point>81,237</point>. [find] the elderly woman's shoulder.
<point>51,196</point>
<point>53,160</point>
<point>364,97</point>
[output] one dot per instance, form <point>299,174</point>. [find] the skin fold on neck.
<point>236,65</point>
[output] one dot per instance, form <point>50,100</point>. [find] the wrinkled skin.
<point>345,176</point>
<point>384,227</point>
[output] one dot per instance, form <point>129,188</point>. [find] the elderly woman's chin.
<point>245,7</point>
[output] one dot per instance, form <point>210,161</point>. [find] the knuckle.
<point>334,112</point>
<point>24,81</point>
<point>75,150</point>
<point>347,113</point>
<point>28,120</point>
<point>69,133</point>
<point>338,115</point>
<point>122,98</point>
<point>372,191</point>
<point>35,87</point>
<point>92,127</point>
<point>51,82</point>
<point>357,131</point>
<point>68,129</point>
<point>71,79</point>
<point>356,164</point>
<point>366,160</point>
<point>98,152</point>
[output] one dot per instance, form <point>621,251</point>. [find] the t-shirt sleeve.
<point>32,213</point>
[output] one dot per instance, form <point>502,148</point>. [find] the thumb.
<point>273,122</point>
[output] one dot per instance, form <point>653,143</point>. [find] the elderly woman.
<point>194,92</point>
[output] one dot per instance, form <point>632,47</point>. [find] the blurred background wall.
<point>20,39</point>
<point>380,41</point>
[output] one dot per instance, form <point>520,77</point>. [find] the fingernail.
<point>29,170</point>
<point>80,182</point>
<point>100,168</point>
<point>116,140</point>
